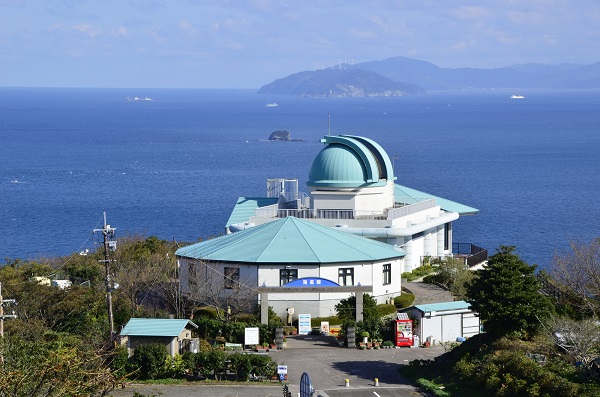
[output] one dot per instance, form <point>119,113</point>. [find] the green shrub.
<point>385,309</point>
<point>333,320</point>
<point>432,388</point>
<point>404,300</point>
<point>240,365</point>
<point>261,365</point>
<point>150,360</point>
<point>409,276</point>
<point>118,365</point>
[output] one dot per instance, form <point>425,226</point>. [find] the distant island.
<point>339,83</point>
<point>282,135</point>
<point>406,76</point>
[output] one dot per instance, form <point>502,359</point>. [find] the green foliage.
<point>453,274</point>
<point>58,367</point>
<point>333,320</point>
<point>406,299</point>
<point>506,295</point>
<point>385,309</point>
<point>150,360</point>
<point>419,272</point>
<point>487,367</point>
<point>346,309</point>
<point>119,363</point>
<point>432,388</point>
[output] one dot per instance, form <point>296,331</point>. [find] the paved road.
<point>328,367</point>
<point>428,293</point>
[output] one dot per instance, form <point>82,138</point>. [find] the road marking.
<point>376,394</point>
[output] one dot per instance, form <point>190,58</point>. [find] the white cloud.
<point>87,30</point>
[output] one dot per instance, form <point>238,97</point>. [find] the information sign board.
<point>251,336</point>
<point>304,327</point>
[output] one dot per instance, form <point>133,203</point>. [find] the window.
<point>287,276</point>
<point>387,274</point>
<point>346,276</point>
<point>232,277</point>
<point>447,231</point>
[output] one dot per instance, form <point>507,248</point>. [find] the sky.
<point>249,43</point>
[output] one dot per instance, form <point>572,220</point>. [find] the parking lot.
<point>328,367</point>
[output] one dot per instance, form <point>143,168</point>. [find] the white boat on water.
<point>272,105</point>
<point>517,97</point>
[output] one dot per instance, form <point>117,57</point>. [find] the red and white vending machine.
<point>403,330</point>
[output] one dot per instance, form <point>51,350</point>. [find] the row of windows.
<point>345,276</point>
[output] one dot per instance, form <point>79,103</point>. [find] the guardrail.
<point>474,255</point>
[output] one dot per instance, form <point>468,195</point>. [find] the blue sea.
<point>174,167</point>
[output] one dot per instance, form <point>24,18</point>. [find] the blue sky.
<point>245,44</point>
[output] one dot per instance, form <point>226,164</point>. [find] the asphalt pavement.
<point>328,366</point>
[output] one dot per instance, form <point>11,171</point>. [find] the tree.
<point>452,273</point>
<point>52,368</point>
<point>346,309</point>
<point>580,339</point>
<point>506,295</point>
<point>578,275</point>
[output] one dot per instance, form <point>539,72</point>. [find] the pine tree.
<point>506,295</point>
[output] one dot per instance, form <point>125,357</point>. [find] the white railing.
<point>411,209</point>
<point>271,211</point>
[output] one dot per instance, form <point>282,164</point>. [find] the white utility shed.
<point>444,322</point>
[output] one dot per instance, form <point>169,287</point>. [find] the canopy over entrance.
<point>305,285</point>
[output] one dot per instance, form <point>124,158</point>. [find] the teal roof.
<point>245,206</point>
<point>406,195</point>
<point>290,240</point>
<point>443,306</point>
<point>156,327</point>
<point>349,162</point>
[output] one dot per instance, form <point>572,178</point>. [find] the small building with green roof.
<point>175,334</point>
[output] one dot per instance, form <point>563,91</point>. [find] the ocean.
<point>174,167</point>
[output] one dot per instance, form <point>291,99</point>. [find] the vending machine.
<point>403,330</point>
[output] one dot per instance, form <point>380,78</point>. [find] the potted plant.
<point>365,335</point>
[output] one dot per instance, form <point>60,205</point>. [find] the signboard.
<point>325,327</point>
<point>282,369</point>
<point>251,336</point>
<point>304,327</point>
<point>311,282</point>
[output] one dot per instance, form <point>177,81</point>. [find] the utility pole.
<point>109,243</point>
<point>2,315</point>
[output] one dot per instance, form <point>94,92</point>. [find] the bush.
<point>432,388</point>
<point>333,320</point>
<point>118,365</point>
<point>385,309</point>
<point>150,360</point>
<point>261,365</point>
<point>404,300</point>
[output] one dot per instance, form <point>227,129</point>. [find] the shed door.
<point>451,327</point>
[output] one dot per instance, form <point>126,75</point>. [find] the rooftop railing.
<point>272,211</point>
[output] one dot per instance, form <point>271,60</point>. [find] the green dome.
<point>337,165</point>
<point>350,162</point>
